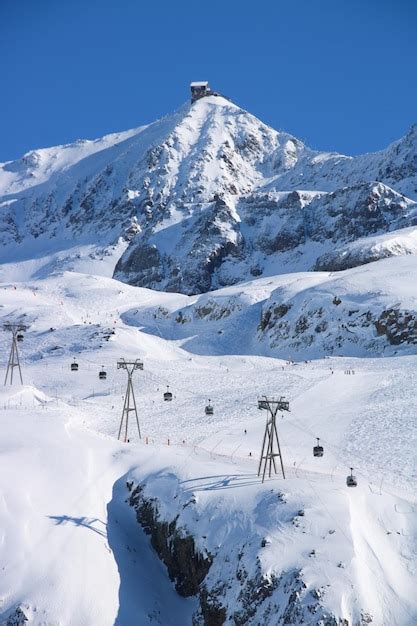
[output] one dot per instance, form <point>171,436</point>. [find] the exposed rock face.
<point>17,618</point>
<point>235,239</point>
<point>143,265</point>
<point>358,211</point>
<point>230,588</point>
<point>186,567</point>
<point>201,248</point>
<point>345,258</point>
<point>325,329</point>
<point>398,326</point>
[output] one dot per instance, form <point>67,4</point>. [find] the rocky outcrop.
<point>344,259</point>
<point>142,266</point>
<point>197,249</point>
<point>397,326</point>
<point>336,326</point>
<point>230,586</point>
<point>17,618</point>
<point>186,566</point>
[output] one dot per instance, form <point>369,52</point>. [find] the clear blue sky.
<point>340,75</point>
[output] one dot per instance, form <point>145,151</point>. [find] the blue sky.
<point>340,75</point>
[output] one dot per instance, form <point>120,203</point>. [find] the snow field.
<point>71,548</point>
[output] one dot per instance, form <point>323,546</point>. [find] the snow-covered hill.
<point>205,197</point>
<point>307,550</point>
<point>370,310</point>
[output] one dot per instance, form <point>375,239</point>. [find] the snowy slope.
<point>72,551</point>
<point>396,243</point>
<point>369,310</point>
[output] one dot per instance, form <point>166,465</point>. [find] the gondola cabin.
<point>351,480</point>
<point>167,395</point>
<point>318,450</point>
<point>19,337</point>
<point>102,374</point>
<point>74,366</point>
<point>209,410</point>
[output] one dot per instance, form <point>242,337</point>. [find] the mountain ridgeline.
<point>208,197</point>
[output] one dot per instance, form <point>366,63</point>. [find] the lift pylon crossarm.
<point>16,328</point>
<point>281,404</point>
<point>135,365</point>
<point>270,446</point>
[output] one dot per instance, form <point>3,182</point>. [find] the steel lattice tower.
<point>130,401</point>
<point>270,446</point>
<point>16,329</point>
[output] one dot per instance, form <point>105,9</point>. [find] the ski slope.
<point>71,550</point>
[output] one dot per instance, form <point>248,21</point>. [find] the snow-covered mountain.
<point>294,272</point>
<point>205,197</point>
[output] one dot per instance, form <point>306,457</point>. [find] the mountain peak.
<point>214,100</point>
<point>209,181</point>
